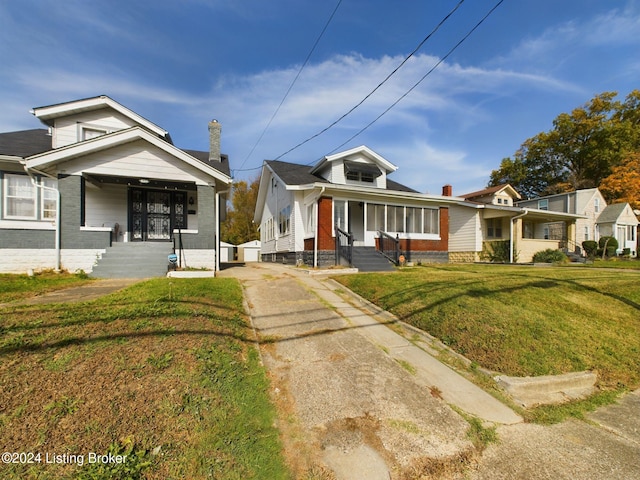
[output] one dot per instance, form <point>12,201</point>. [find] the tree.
<point>623,185</point>
<point>239,227</point>
<point>579,151</point>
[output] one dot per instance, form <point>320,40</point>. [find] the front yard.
<point>164,373</point>
<point>522,321</point>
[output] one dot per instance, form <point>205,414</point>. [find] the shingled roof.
<point>25,143</point>
<point>296,174</point>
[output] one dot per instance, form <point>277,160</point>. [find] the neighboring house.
<point>599,219</point>
<point>300,210</point>
<point>490,218</point>
<point>619,221</point>
<point>102,174</point>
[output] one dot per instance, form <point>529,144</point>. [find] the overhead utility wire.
<point>379,85</point>
<point>290,87</point>
<point>422,79</point>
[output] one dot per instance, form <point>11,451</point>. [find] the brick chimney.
<point>447,191</point>
<point>214,141</point>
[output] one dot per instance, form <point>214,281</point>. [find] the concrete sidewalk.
<point>359,400</point>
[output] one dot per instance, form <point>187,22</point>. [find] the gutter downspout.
<point>57,235</point>
<point>511,223</point>
<point>217,240</point>
<point>315,236</point>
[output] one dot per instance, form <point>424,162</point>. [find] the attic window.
<point>89,133</point>
<point>361,172</point>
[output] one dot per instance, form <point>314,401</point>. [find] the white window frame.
<point>48,195</point>
<point>543,204</point>
<point>6,198</point>
<point>333,215</point>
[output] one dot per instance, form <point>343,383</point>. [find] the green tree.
<point>239,227</point>
<point>579,151</point>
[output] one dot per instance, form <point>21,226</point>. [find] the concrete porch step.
<point>367,259</point>
<point>134,260</point>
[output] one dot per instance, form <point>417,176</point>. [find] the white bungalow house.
<point>599,219</point>
<point>302,209</point>
<point>102,175</point>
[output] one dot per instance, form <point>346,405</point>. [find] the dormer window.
<point>361,172</point>
<point>89,132</point>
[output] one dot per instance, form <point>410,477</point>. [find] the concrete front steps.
<point>367,259</point>
<point>134,260</point>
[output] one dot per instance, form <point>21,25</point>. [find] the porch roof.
<point>494,211</point>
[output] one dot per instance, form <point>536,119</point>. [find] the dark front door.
<point>153,214</point>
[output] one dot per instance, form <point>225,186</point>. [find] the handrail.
<point>389,246</point>
<point>344,246</point>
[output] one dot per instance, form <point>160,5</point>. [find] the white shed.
<point>226,252</point>
<point>249,251</point>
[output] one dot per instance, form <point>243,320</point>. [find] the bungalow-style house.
<point>489,219</point>
<point>347,198</point>
<point>599,219</point>
<point>101,175</point>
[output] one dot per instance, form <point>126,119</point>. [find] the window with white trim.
<point>340,214</point>
<point>375,217</point>
<point>284,220</point>
<point>543,204</point>
<point>49,198</point>
<point>414,220</point>
<point>19,197</point>
<point>90,132</point>
<point>395,219</point>
<point>596,205</point>
<point>431,221</point>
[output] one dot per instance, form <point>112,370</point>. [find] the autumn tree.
<point>579,151</point>
<point>239,227</point>
<point>623,185</point>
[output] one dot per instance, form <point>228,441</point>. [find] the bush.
<point>611,246</point>
<point>590,248</point>
<point>550,256</point>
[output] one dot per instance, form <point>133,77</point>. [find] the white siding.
<point>137,159</point>
<point>106,206</point>
<point>465,231</point>
<point>67,129</point>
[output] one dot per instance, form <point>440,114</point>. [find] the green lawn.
<point>522,320</point>
<point>13,287</point>
<point>164,372</point>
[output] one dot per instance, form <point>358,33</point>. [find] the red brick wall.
<point>308,243</point>
<point>325,229</point>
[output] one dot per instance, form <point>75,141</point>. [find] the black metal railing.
<point>344,247</point>
<point>389,246</point>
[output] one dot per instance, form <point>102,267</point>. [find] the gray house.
<point>101,176</point>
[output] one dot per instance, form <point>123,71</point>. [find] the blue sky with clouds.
<point>181,63</point>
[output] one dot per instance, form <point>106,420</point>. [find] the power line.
<point>423,77</point>
<point>290,87</point>
<point>379,85</point>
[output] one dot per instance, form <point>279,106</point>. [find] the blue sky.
<point>181,63</point>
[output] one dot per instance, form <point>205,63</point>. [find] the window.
<point>494,228</point>
<point>49,199</point>
<point>586,233</point>
<point>375,217</point>
<point>431,221</point>
<point>395,219</point>
<point>631,233</point>
<point>19,197</point>
<point>543,204</point>
<point>340,214</point>
<point>284,220</point>
<point>414,220</point>
<point>311,219</point>
<point>499,201</point>
<point>89,133</point>
<point>596,205</point>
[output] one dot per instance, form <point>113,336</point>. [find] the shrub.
<point>590,248</point>
<point>550,256</point>
<point>608,246</point>
<point>498,251</point>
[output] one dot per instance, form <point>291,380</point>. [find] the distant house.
<point>599,219</point>
<point>492,218</point>
<point>303,210</point>
<point>101,175</point>
<point>249,251</point>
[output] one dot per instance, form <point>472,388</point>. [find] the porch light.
<point>144,181</point>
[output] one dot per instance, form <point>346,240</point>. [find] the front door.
<point>153,214</point>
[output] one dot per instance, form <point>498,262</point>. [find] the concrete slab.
<point>548,389</point>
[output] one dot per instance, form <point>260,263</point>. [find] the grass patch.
<point>15,287</point>
<point>522,321</point>
<point>164,372</point>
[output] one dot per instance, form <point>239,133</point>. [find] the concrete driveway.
<point>357,400</point>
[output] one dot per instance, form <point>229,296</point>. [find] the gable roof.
<point>611,213</point>
<point>48,159</point>
<point>48,114</point>
<point>25,143</point>
<point>492,191</point>
<point>296,174</point>
<point>362,150</point>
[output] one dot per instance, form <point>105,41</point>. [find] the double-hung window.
<point>20,197</point>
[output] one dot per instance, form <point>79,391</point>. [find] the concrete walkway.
<point>359,400</point>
